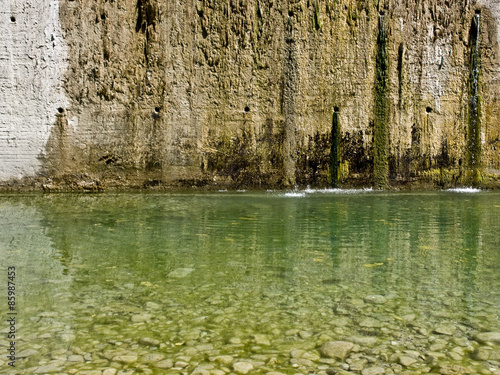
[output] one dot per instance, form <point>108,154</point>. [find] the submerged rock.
<point>242,367</point>
<point>139,318</point>
<point>481,354</point>
<point>373,371</point>
<point>223,359</point>
<point>261,339</point>
<point>126,358</point>
<point>180,272</point>
<point>49,368</point>
<point>370,323</point>
<point>406,360</point>
<point>447,330</point>
<point>167,363</point>
<point>485,337</point>
<point>336,349</point>
<point>375,299</point>
<point>453,370</point>
<point>27,353</point>
<point>153,357</point>
<point>76,358</point>
<point>149,341</point>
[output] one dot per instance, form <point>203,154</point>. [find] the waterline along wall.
<point>127,93</point>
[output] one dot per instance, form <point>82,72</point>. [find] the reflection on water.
<point>254,283</point>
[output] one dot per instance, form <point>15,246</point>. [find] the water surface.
<point>258,282</point>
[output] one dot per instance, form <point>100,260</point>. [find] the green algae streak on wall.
<point>242,93</point>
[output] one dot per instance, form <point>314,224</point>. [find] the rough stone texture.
<point>242,367</point>
<point>453,370</point>
<point>336,349</point>
<point>243,92</point>
<point>486,337</point>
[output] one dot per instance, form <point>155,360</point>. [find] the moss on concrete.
<point>380,146</point>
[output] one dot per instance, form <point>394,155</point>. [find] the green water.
<point>229,282</point>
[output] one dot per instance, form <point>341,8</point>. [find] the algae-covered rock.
<point>336,349</point>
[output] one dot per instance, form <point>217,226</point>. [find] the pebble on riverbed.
<point>336,349</point>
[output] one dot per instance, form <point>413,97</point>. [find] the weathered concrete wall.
<point>33,60</point>
<point>243,92</point>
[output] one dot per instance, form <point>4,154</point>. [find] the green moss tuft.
<point>335,150</point>
<point>316,21</point>
<point>474,149</point>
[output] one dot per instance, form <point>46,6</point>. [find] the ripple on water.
<point>467,190</point>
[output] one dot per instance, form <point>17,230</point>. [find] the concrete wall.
<point>242,93</point>
<point>33,61</point>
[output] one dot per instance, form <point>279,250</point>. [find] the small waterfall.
<point>474,126</point>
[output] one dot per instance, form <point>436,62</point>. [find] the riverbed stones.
<point>223,359</point>
<point>336,349</point>
<point>367,341</point>
<point>481,354</point>
<point>152,306</point>
<point>438,345</point>
<point>448,369</point>
<point>27,353</point>
<point>200,371</point>
<point>370,323</point>
<point>76,358</point>
<point>180,364</point>
<point>358,365</point>
<point>373,371</point>
<point>485,337</point>
<point>164,364</point>
<point>375,299</point>
<point>140,318</point>
<point>125,358</point>
<point>152,357</point>
<point>242,367</point>
<point>297,362</point>
<point>261,339</point>
<point>148,341</point>
<point>406,360</point>
<point>447,330</point>
<point>180,273</point>
<point>49,368</point>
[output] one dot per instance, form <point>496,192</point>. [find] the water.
<point>219,283</point>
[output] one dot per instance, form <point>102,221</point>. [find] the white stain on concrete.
<point>33,61</point>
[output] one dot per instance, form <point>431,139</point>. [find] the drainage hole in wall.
<point>428,110</point>
<point>290,13</point>
<point>12,19</point>
<point>103,16</point>
<point>336,109</point>
<point>247,109</point>
<point>478,11</point>
<point>157,109</point>
<point>60,110</point>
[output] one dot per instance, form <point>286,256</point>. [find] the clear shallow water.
<point>258,282</point>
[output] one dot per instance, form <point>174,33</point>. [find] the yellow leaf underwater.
<point>373,265</point>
